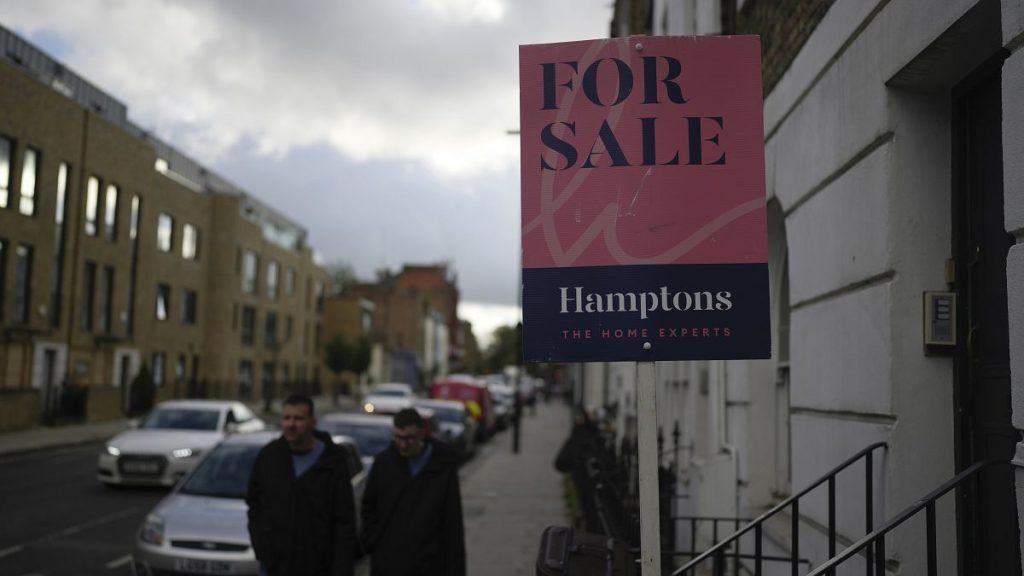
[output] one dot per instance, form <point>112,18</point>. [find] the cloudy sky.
<point>380,125</point>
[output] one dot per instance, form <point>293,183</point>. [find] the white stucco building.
<point>894,145</point>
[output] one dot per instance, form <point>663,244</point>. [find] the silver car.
<point>454,424</point>
<point>371,432</point>
<point>201,527</point>
<point>388,398</point>
<point>167,443</point>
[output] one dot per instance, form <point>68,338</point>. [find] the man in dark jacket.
<point>412,509</point>
<point>301,507</point>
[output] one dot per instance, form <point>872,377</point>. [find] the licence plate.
<point>202,566</point>
<point>141,467</point>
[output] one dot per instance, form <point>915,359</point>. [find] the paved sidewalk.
<point>44,437</point>
<point>508,499</point>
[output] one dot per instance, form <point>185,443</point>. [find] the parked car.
<point>454,424</point>
<point>371,432</point>
<point>167,443</point>
<point>503,397</point>
<point>201,526</point>
<point>474,394</point>
<point>388,398</point>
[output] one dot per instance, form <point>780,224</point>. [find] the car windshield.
<point>182,419</point>
<point>447,413</point>
<point>371,439</point>
<point>224,473</point>
<point>388,392</point>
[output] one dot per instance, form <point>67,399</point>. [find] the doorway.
<point>987,525</point>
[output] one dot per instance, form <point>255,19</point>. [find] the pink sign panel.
<point>643,202</point>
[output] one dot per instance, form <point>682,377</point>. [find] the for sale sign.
<point>643,202</point>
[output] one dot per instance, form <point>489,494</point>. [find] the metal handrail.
<point>718,551</point>
<point>877,536</point>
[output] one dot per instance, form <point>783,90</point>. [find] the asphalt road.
<point>57,519</point>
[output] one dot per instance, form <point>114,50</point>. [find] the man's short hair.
<point>408,417</point>
<point>299,400</point>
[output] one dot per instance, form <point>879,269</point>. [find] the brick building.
<point>117,250</point>
<point>416,321</point>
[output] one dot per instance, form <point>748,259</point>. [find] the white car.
<point>388,398</point>
<point>201,527</point>
<point>167,443</point>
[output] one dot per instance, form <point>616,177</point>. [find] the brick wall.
<point>784,26</point>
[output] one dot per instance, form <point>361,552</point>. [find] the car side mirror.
<point>231,427</point>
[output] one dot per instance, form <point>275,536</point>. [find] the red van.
<point>471,392</point>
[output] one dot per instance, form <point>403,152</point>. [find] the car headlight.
<point>112,450</point>
<point>368,407</point>
<point>182,453</point>
<point>152,530</point>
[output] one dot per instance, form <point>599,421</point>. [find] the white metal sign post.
<point>647,438</point>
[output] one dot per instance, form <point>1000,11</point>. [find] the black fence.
<point>607,484</point>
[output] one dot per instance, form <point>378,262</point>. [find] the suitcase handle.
<point>601,551</point>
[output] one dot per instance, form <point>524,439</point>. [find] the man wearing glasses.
<point>412,509</point>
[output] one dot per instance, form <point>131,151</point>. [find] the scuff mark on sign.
<point>639,189</point>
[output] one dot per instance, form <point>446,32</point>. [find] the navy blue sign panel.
<point>646,312</point>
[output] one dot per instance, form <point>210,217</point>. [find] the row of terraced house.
<point>895,205</point>
<point>118,251</point>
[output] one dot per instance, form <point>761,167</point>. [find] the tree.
<point>338,356</point>
<point>361,356</point>
<point>342,274</point>
<point>503,350</point>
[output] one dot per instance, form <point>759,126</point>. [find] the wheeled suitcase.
<point>564,552</point>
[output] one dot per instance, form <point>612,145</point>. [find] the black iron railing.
<point>873,544</point>
<point>729,548</point>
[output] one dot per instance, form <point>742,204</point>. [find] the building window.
<point>164,232</point>
<point>189,242</point>
<point>270,330</point>
<point>58,252</point>
<point>92,199</point>
<point>133,223</point>
<point>250,265</point>
<point>20,309</point>
<point>248,325</point>
<point>62,190</point>
<point>245,380</point>
<point>158,368</point>
<point>319,296</point>
<point>179,369</point>
<point>106,300</point>
<point>110,214</point>
<point>288,329</point>
<point>163,301</point>
<point>188,307</point>
<point>3,266</point>
<point>5,171</point>
<point>29,171</point>
<point>88,294</point>
<point>272,280</point>
<point>289,282</point>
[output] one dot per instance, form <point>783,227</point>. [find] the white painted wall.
<point>861,169</point>
<point>1013,192</point>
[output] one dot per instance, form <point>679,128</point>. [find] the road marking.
<point>11,550</point>
<point>71,530</point>
<point>118,562</point>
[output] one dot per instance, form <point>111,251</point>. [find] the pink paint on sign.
<point>642,150</point>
